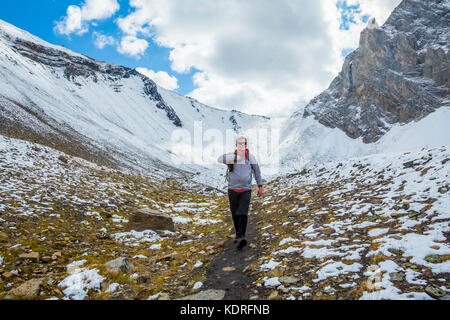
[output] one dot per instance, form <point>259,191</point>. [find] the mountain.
<point>107,114</point>
<point>382,101</point>
<point>392,94</point>
<point>399,74</point>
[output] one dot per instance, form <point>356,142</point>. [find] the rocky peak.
<point>398,74</point>
<point>372,24</point>
<point>75,66</point>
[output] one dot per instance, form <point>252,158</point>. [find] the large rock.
<point>27,290</point>
<point>119,265</point>
<point>148,219</point>
<point>34,256</point>
<point>435,292</point>
<point>206,295</point>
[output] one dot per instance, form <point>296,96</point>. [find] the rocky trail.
<point>375,227</point>
<point>229,271</point>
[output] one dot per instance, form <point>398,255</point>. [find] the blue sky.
<point>39,17</point>
<point>254,56</point>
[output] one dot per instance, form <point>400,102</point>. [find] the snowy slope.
<point>52,90</point>
<point>373,227</point>
<point>305,142</point>
<point>99,111</point>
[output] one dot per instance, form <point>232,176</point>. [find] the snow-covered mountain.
<point>398,74</point>
<point>98,111</point>
<point>115,116</point>
<point>391,95</point>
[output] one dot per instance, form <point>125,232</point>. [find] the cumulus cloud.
<point>161,78</point>
<point>132,46</point>
<point>78,17</point>
<point>257,56</point>
<point>101,40</point>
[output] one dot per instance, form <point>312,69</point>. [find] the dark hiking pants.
<point>239,204</point>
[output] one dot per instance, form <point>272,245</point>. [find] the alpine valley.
<point>98,200</point>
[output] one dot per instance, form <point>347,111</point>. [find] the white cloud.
<point>132,46</point>
<point>161,78</point>
<point>78,18</point>
<point>260,56</point>
<point>102,40</point>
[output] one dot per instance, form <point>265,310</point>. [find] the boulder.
<point>27,290</point>
<point>34,256</point>
<point>148,219</point>
<point>119,265</point>
<point>206,295</point>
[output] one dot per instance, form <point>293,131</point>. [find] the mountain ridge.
<point>398,74</point>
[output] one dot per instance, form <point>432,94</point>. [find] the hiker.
<point>241,165</point>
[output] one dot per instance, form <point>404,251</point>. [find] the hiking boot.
<point>242,243</point>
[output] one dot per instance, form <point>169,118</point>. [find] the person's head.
<point>241,144</point>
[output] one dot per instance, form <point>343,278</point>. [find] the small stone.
<point>443,190</point>
<point>228,269</point>
<point>56,255</point>
<point>172,256</point>
<point>63,159</point>
<point>288,279</point>
<point>397,276</point>
<point>8,275</point>
<point>252,245</point>
<point>46,259</point>
<point>164,296</point>
<point>273,295</point>
<point>219,244</point>
<point>31,256</point>
<point>283,289</point>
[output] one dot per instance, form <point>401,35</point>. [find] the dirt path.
<point>236,283</point>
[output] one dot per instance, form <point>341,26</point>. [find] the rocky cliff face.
<point>399,73</point>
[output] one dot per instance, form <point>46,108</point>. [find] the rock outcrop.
<point>398,74</point>
<point>148,219</point>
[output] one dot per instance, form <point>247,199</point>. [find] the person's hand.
<point>260,192</point>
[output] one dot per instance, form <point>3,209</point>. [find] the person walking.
<point>241,165</point>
